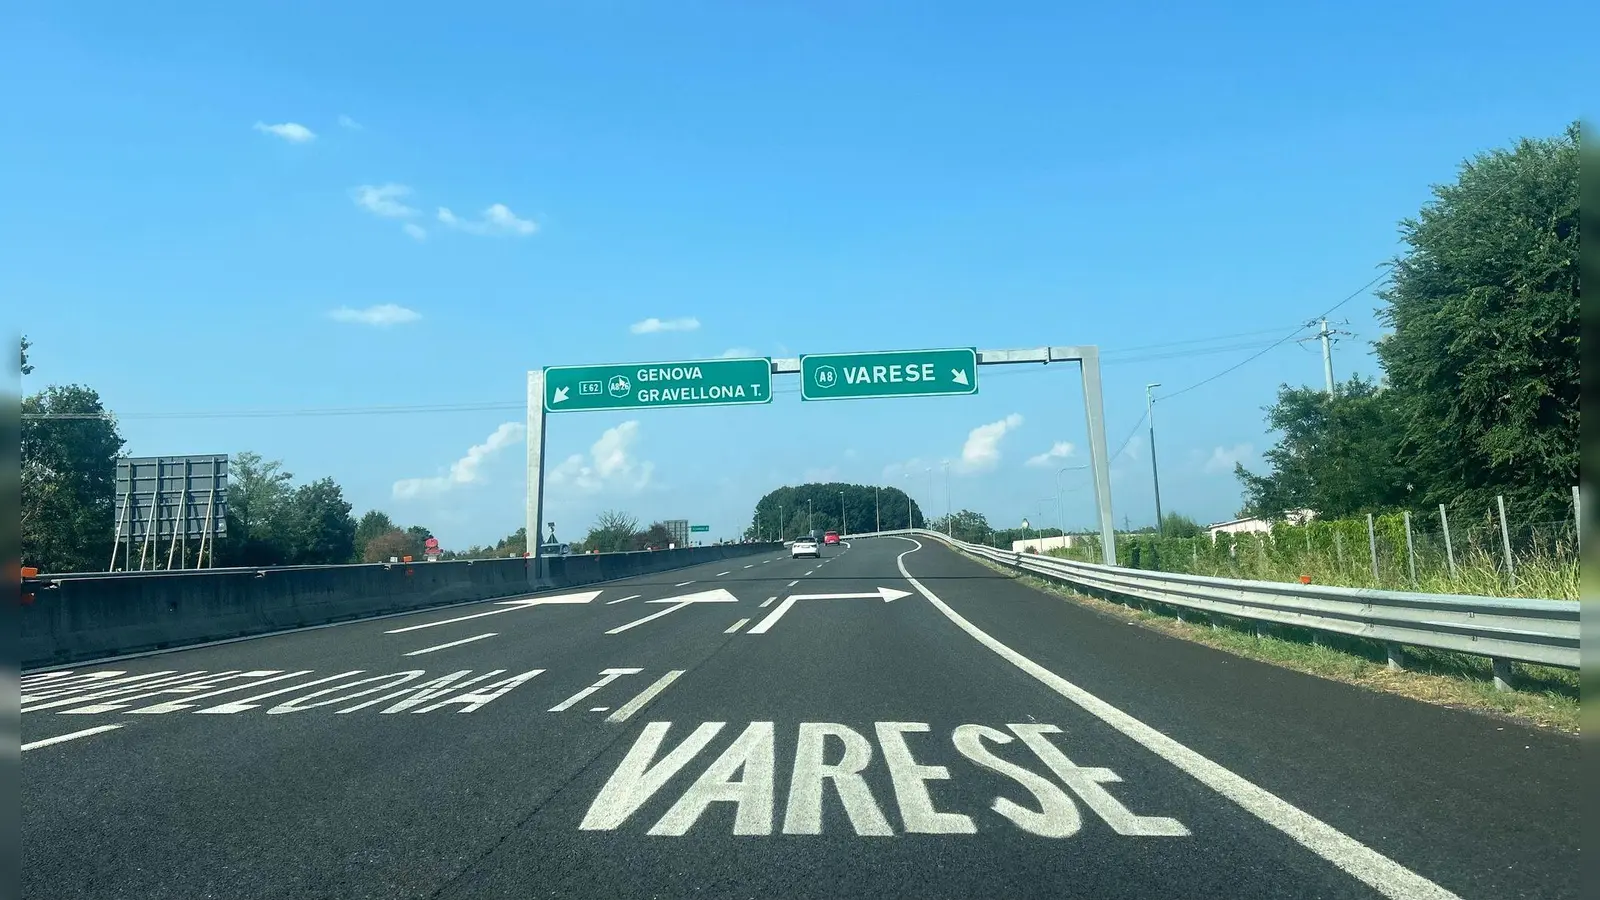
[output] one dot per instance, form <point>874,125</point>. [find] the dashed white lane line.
<point>645,696</point>
<point>720,574</point>
<point>1379,872</point>
<point>63,738</point>
<point>598,708</point>
<point>469,640</point>
<point>751,566</point>
<point>794,582</point>
<point>808,573</point>
<point>621,599</point>
<point>768,602</point>
<point>683,584</point>
<point>736,626</point>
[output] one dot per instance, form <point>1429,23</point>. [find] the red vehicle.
<point>831,537</point>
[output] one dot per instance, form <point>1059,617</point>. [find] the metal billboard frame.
<point>186,499</point>
<point>1086,356</point>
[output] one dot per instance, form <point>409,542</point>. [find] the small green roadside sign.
<point>889,373</point>
<point>707,382</point>
<point>699,527</point>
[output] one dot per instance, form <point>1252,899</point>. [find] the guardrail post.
<point>1372,545</point>
<point>1397,657</point>
<point>1502,674</point>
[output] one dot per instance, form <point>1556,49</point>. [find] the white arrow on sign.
<point>718,595</point>
<point>960,376</point>
<point>509,605</point>
<point>561,394</point>
<point>765,625</point>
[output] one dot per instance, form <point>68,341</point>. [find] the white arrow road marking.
<point>509,605</point>
<point>960,375</point>
<point>719,595</point>
<point>887,594</point>
<point>452,644</point>
<point>622,599</point>
<point>561,394</point>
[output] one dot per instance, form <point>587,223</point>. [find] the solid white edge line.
<point>1377,871</point>
<point>736,626</point>
<point>453,643</point>
<point>63,738</point>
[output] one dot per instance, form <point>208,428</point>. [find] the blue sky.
<point>214,208</point>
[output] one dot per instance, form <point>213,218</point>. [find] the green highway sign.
<point>699,527</point>
<point>889,373</point>
<point>706,382</point>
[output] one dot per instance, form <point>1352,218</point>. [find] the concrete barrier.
<point>83,617</point>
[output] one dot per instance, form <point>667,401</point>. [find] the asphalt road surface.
<point>938,731</point>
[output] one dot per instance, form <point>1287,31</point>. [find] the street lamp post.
<point>811,525</point>
<point>949,525</point>
<point>1155,477</point>
<point>877,508</point>
<point>780,523</point>
<point>910,523</point>
<point>844,527</point>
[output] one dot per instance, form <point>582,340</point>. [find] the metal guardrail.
<point>1504,629</point>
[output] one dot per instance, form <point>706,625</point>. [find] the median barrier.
<point>83,616</point>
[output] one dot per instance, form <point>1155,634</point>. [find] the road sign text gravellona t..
<point>710,382</point>
<point>891,373</point>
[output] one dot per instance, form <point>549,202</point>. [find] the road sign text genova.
<point>710,382</point>
<point>890,373</point>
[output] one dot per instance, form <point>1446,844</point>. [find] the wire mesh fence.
<point>1447,551</point>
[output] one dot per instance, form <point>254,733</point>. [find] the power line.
<point>1285,339</point>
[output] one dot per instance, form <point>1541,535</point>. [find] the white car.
<point>806,547</point>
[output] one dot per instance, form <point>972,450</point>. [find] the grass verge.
<point>1544,696</point>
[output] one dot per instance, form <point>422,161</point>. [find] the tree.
<point>514,544</point>
<point>26,368</point>
<point>259,493</point>
<point>394,543</point>
<point>965,525</point>
<point>1337,455</point>
<point>863,506</point>
<point>613,532</point>
<point>1485,309</point>
<point>373,523</point>
<point>1178,525</point>
<point>68,494</point>
<point>320,529</point>
<point>656,537</point>
<point>419,540</point>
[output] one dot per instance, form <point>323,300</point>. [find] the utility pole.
<point>1327,356</point>
<point>844,527</point>
<point>811,526</point>
<point>877,507</point>
<point>1155,475</point>
<point>781,523</point>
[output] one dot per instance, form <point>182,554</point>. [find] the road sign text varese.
<point>894,373</point>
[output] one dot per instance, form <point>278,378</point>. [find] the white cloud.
<point>733,352</point>
<point>415,230</point>
<point>347,122</point>
<point>610,465</point>
<point>654,325</point>
<point>1223,459</point>
<point>466,470</point>
<point>820,476</point>
<point>384,200</point>
<point>1059,450</point>
<point>293,132</point>
<point>497,220</point>
<point>382,315</point>
<point>982,449</point>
